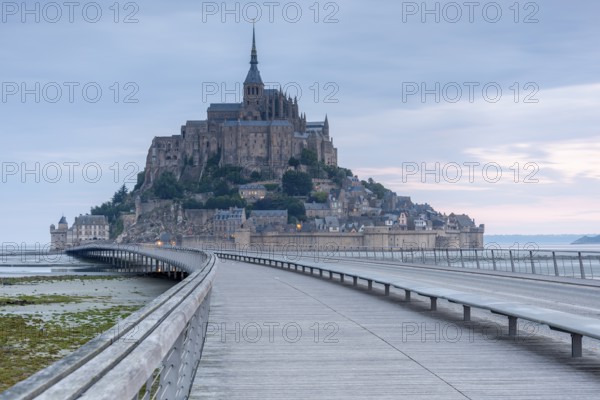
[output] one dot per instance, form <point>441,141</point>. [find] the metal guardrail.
<point>152,354</point>
<point>577,326</point>
<point>573,264</point>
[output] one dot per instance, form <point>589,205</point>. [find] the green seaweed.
<point>29,343</point>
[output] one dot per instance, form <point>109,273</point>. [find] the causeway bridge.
<point>351,323</point>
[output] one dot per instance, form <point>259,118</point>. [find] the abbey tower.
<point>259,134</point>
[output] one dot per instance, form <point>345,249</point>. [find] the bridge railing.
<point>559,263</point>
<point>152,354</point>
<point>576,325</point>
<point>574,264</point>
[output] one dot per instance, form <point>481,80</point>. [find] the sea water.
<point>36,263</point>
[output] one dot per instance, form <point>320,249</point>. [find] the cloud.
<point>370,53</point>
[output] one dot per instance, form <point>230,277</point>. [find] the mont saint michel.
<point>260,173</point>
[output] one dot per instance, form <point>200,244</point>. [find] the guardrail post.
<point>370,284</point>
<point>434,257</point>
<point>512,261</point>
<point>466,313</point>
<point>555,264</point>
<point>512,326</point>
<point>581,268</point>
<point>387,289</point>
<point>354,280</point>
<point>532,262</point>
<point>462,260</point>
<point>477,259</point>
<point>576,345</point>
<point>433,306</point>
<point>448,258</point>
<point>493,260</point>
<point>407,295</point>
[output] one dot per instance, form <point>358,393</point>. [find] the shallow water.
<point>31,263</point>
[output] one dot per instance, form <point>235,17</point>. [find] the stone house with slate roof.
<point>85,228</point>
<point>276,220</point>
<point>227,222</point>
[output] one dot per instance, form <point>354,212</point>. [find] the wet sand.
<point>102,293</point>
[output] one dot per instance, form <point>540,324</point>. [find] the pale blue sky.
<point>370,62</point>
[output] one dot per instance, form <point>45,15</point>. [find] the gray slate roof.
<point>253,186</point>
<point>221,107</point>
<point>464,220</point>
<point>316,206</point>
<point>257,123</point>
<point>235,213</point>
<point>268,213</point>
<point>90,220</point>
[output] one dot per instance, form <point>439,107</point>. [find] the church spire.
<point>253,75</point>
<point>253,54</point>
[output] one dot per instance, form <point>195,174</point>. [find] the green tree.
<point>294,162</point>
<point>221,188</point>
<point>294,206</point>
<point>166,187</point>
<point>255,176</point>
<point>141,176</point>
<point>192,204</point>
<point>377,188</point>
<point>336,174</point>
<point>319,197</point>
<point>121,202</point>
<point>308,157</point>
<point>120,195</point>
<point>224,202</point>
<point>296,183</point>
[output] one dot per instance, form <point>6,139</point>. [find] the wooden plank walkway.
<point>276,334</point>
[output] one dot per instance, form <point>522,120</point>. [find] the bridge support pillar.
<point>576,345</point>
<point>466,313</point>
<point>433,306</point>
<point>512,326</point>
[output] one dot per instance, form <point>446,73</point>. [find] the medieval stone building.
<point>259,134</point>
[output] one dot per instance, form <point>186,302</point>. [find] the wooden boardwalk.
<point>276,334</point>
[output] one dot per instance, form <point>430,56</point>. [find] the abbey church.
<point>260,134</point>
